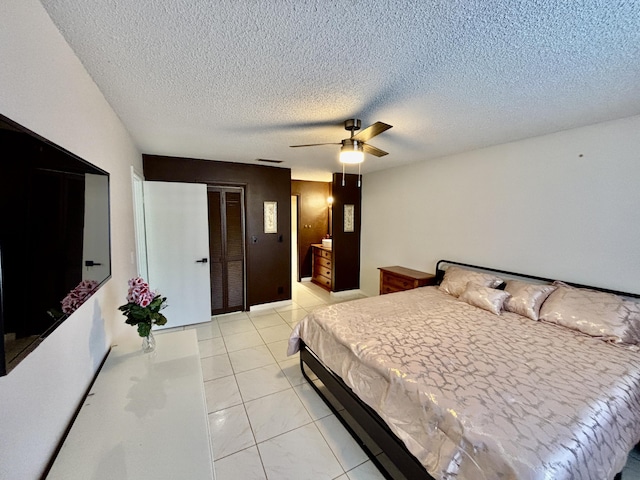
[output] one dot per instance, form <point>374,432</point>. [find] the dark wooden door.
<point>226,249</point>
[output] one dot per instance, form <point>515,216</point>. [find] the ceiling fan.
<point>354,147</point>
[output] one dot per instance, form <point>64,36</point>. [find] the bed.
<point>451,387</point>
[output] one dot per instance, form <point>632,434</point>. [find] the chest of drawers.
<point>397,279</point>
<point>322,266</point>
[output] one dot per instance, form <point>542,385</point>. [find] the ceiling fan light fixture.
<point>351,152</point>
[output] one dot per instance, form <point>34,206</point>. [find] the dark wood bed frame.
<point>367,419</point>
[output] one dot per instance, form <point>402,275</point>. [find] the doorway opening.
<point>295,270</point>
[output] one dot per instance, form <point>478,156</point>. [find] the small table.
<point>398,279</point>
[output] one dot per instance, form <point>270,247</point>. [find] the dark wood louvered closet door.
<point>226,246</point>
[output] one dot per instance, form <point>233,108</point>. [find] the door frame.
<point>241,188</point>
<point>296,228</point>
<point>139,226</point>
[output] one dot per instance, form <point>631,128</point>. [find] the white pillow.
<point>526,298</point>
<point>598,314</point>
<point>486,298</point>
<point>455,280</point>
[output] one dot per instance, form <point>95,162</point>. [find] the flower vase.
<point>148,343</point>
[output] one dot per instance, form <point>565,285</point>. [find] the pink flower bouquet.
<point>143,307</point>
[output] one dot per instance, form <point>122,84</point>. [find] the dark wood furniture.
<point>398,279</point>
<point>322,266</point>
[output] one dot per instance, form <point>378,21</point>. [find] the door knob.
<point>204,260</point>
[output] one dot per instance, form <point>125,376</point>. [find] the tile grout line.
<point>290,324</point>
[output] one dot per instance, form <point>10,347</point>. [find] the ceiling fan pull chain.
<point>343,174</point>
<point>359,176</point>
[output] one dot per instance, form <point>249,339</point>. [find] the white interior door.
<point>177,227</point>
<point>137,183</point>
<point>95,241</point>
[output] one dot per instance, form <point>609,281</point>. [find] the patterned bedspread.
<point>478,396</point>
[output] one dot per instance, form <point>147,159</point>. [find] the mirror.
<point>54,240</point>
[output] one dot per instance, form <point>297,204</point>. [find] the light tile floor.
<point>266,422</point>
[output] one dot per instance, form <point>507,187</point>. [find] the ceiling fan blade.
<point>371,131</point>
<point>314,145</point>
<point>373,150</point>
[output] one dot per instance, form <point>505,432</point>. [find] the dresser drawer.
<point>390,289</point>
<point>322,265</point>
<point>398,283</point>
<point>320,270</point>
<point>322,262</point>
<point>321,280</point>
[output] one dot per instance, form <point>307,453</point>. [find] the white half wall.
<point>45,88</point>
<point>564,206</point>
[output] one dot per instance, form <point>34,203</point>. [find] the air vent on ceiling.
<point>269,161</point>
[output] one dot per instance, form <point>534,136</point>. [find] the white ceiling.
<point>237,80</point>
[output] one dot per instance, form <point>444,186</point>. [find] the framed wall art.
<point>348,218</point>
<point>270,217</point>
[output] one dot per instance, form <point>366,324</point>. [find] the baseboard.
<point>266,306</point>
<point>348,293</point>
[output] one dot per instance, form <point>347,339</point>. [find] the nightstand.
<point>397,279</point>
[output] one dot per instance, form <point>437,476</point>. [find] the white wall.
<point>534,206</point>
<point>44,87</point>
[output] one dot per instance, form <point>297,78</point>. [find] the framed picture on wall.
<point>270,217</point>
<point>348,218</point>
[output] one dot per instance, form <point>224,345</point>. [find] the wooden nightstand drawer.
<point>399,283</point>
<point>390,289</point>
<point>397,279</point>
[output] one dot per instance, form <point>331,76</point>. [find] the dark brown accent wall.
<point>346,245</point>
<point>313,219</point>
<point>268,255</point>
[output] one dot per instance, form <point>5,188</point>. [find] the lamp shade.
<point>351,152</point>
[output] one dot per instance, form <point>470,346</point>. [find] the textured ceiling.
<point>239,80</point>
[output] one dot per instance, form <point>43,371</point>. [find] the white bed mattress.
<point>479,396</point>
